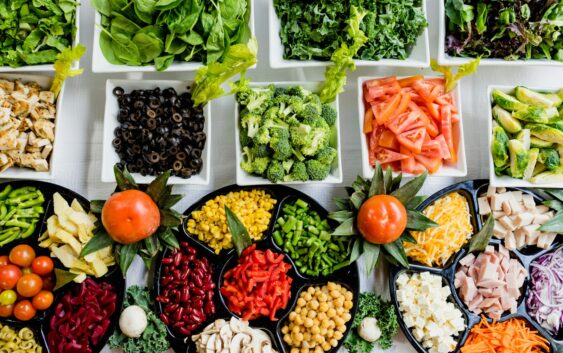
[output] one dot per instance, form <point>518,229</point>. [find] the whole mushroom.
<point>133,321</point>
<point>369,330</point>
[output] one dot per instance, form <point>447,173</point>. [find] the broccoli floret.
<point>316,170</point>
<point>296,104</point>
<point>317,140</point>
<point>246,160</point>
<point>328,114</point>
<point>299,134</point>
<point>300,157</point>
<point>282,149</point>
<point>259,100</point>
<point>549,157</point>
<point>260,164</point>
<point>278,91</point>
<point>262,136</point>
<point>275,171</point>
<point>287,165</point>
<point>298,91</point>
<point>310,111</point>
<point>261,151</point>
<point>243,137</point>
<point>326,155</point>
<point>270,114</point>
<point>251,122</point>
<point>298,172</point>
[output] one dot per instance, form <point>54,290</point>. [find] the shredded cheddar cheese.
<point>437,245</point>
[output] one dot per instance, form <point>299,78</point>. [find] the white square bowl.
<point>445,59</point>
<point>49,67</point>
<point>459,170</point>
<point>110,157</point>
<point>244,178</point>
<point>100,64</point>
<point>26,173</point>
<point>419,57</point>
<point>505,180</point>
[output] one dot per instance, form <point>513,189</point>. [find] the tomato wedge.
<point>413,139</point>
<point>384,155</point>
<point>408,81</point>
<point>368,121</point>
<point>443,147</point>
<point>410,165</point>
<point>388,140</point>
<point>387,112</point>
<point>446,125</point>
<point>406,121</point>
<point>431,164</point>
<point>403,105</point>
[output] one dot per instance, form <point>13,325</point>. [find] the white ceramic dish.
<point>100,64</point>
<point>48,67</point>
<point>25,173</point>
<point>504,180</point>
<point>110,157</point>
<point>244,178</point>
<point>445,59</point>
<point>458,170</point>
<point>420,55</point>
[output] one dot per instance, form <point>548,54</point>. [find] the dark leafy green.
<point>509,29</point>
<point>34,32</point>
<point>159,32</point>
<point>316,29</point>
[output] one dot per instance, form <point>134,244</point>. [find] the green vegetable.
<point>546,133</point>
<point>34,32</point>
<point>528,96</point>
<point>20,211</point>
<point>506,101</point>
<point>550,176</point>
<point>518,158</point>
<point>154,338</point>
<point>371,305</point>
<point>462,70</point>
<point>240,236</point>
<point>537,115</point>
<point>549,157</point>
<point>499,148</point>
<point>533,155</point>
<point>506,120</point>
<point>524,137</point>
<point>63,66</point>
<point>539,143</point>
<point>143,32</point>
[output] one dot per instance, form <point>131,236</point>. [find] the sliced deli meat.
<point>490,282</point>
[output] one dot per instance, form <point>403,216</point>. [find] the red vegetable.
<point>258,285</point>
<point>82,318</point>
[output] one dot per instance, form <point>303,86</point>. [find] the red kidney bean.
<point>164,319</point>
<point>185,295</point>
<point>178,314</point>
<point>185,330</point>
<point>166,261</point>
<point>198,292</point>
<point>209,308</point>
<point>177,259</point>
<point>165,280</point>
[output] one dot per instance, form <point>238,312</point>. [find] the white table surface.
<point>81,138</point>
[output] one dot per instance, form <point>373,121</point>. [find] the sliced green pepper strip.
<point>4,194</point>
<point>21,191</point>
<point>8,216</point>
<point>17,223</point>
<point>35,202</point>
<point>22,198</point>
<point>10,239</point>
<point>29,230</point>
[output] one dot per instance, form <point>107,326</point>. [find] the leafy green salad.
<point>33,32</point>
<point>159,32</point>
<point>315,29</point>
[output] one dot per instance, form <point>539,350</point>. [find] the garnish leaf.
<point>415,202</point>
<point>371,255</point>
<point>554,225</point>
<point>124,179</point>
<point>126,255</point>
<point>407,237</point>
<point>345,228</point>
<point>167,236</point>
<point>357,199</point>
<point>100,240</point>
<point>96,206</point>
<point>410,189</point>
<point>462,70</point>
<point>169,201</point>
<point>238,231</point>
<point>480,240</point>
<point>341,203</point>
<point>340,216</point>
<point>377,186</point>
<point>396,250</point>
<point>418,221</point>
<point>388,180</point>
<point>356,250</point>
<point>170,218</point>
<point>63,66</point>
<point>157,188</point>
<point>557,193</point>
<point>62,278</point>
<point>395,183</point>
<point>555,204</point>
<point>360,184</point>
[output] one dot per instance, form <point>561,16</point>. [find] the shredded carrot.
<point>513,335</point>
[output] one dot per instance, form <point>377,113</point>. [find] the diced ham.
<point>484,208</point>
<point>467,260</point>
<point>491,190</point>
<point>468,289</point>
<point>491,283</point>
<point>487,271</point>
<point>476,302</point>
<point>523,219</point>
<point>489,249</point>
<point>506,208</point>
<point>488,302</point>
<point>507,301</point>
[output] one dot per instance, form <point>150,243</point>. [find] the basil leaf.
<point>100,240</point>
<point>62,278</point>
<point>418,221</point>
<point>480,240</point>
<point>239,234</point>
<point>124,179</point>
<point>126,254</point>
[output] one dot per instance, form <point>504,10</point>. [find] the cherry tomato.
<point>43,300</point>
<point>4,260</point>
<point>42,265</point>
<point>6,310</point>
<point>22,255</point>
<point>26,270</point>
<point>8,297</point>
<point>48,283</point>
<point>24,310</point>
<point>382,219</point>
<point>9,276</point>
<point>130,216</point>
<point>29,285</point>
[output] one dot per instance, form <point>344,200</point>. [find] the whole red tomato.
<point>24,310</point>
<point>9,276</point>
<point>6,310</point>
<point>4,260</point>
<point>42,265</point>
<point>382,219</point>
<point>42,300</point>
<point>22,255</point>
<point>29,285</point>
<point>130,216</point>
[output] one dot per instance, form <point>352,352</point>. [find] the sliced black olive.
<point>118,91</point>
<point>196,153</point>
<point>151,124</point>
<point>177,118</point>
<point>151,113</point>
<point>181,156</point>
<point>154,157</point>
<point>138,104</point>
<point>177,165</point>
<point>154,103</point>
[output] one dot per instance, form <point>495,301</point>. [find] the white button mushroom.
<point>368,329</point>
<point>133,321</point>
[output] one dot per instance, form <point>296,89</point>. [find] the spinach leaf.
<point>216,42</point>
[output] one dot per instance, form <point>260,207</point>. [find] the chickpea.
<point>348,296</point>
<point>334,342</point>
<point>330,333</point>
<point>341,328</point>
<point>319,339</point>
<point>324,330</point>
<point>326,346</point>
<point>339,302</point>
<point>347,317</point>
<point>295,329</point>
<point>307,336</point>
<point>287,339</point>
<point>324,324</point>
<point>335,293</point>
<point>312,314</point>
<point>311,290</point>
<point>309,322</point>
<point>298,337</point>
<point>292,315</point>
<point>322,297</point>
<point>339,311</point>
<point>294,350</point>
<point>314,304</point>
<point>321,316</point>
<point>307,296</point>
<point>348,304</point>
<point>285,329</point>
<point>301,302</point>
<point>331,313</point>
<point>304,350</point>
<point>318,349</point>
<point>338,335</point>
<point>323,307</point>
<point>339,321</point>
<point>315,330</point>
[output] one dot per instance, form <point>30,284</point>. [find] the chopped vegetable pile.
<point>527,136</point>
<point>258,285</point>
<point>306,237</point>
<point>318,321</point>
<point>512,335</point>
<point>20,210</point>
<point>154,337</point>
<point>370,305</point>
<point>34,32</point>
<point>434,321</point>
<point>436,245</point>
<point>161,32</point>
<point>82,317</point>
<point>27,123</point>
<point>22,340</point>
<point>315,30</point>
<point>506,29</point>
<point>411,124</point>
<point>253,208</point>
<point>545,299</point>
<point>187,290</point>
<point>491,282</point>
<point>286,134</point>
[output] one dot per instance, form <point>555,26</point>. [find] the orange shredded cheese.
<point>437,245</point>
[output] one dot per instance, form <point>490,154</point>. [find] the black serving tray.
<point>226,259</point>
<point>471,190</point>
<point>40,323</point>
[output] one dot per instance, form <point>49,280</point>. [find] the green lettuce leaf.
<point>463,70</point>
